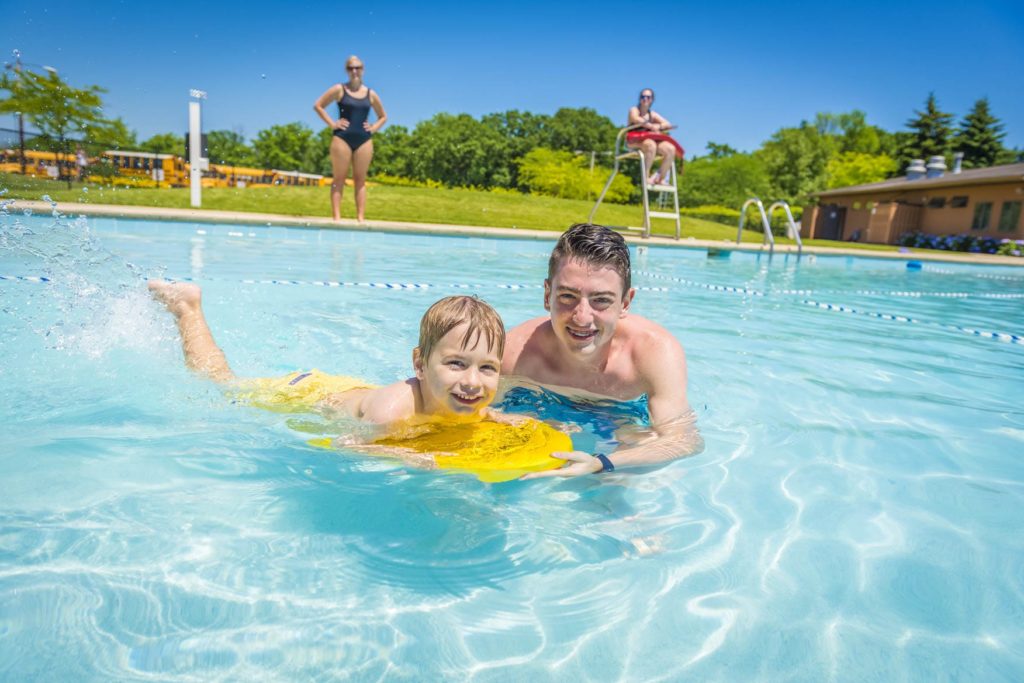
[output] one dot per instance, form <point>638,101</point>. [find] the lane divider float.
<point>999,336</point>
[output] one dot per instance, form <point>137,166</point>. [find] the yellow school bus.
<point>37,163</point>
<point>148,169</point>
<point>227,175</point>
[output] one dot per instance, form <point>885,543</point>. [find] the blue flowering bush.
<point>971,243</point>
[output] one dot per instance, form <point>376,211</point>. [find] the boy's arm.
<point>393,403</point>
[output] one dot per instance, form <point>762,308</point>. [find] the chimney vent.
<point>916,169</point>
<point>958,160</point>
<point>936,167</point>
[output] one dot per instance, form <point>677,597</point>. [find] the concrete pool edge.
<point>240,217</point>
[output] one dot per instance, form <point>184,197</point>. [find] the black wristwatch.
<point>606,464</point>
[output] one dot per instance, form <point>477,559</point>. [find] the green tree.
<point>856,168</point>
<point>720,151</point>
<point>930,133</point>
<point>57,109</point>
<point>851,132</point>
<point>458,151</point>
<point>581,130</point>
<point>283,147</point>
<point>164,143</point>
<point>728,181</point>
<point>318,153</point>
<point>392,152</point>
<point>557,173</point>
<point>228,147</point>
<point>522,132</point>
<point>795,159</point>
<point>980,137</point>
<point>112,134</point>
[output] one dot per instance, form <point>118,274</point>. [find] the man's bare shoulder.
<point>651,346</point>
<point>527,334</point>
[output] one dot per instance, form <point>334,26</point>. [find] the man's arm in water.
<point>662,363</point>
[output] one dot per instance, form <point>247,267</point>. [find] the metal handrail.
<point>617,156</point>
<point>793,229</point>
<point>768,238</point>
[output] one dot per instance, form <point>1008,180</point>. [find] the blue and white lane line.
<point>337,283</point>
<point>702,285</point>
<point>984,276</point>
<point>998,336</point>
<point>690,283</point>
<point>809,292</point>
<point>25,278</point>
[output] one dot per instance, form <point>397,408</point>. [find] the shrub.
<point>977,244</point>
<point>563,174</point>
<point>718,214</point>
<point>399,181</point>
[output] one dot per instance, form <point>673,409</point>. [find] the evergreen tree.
<point>930,133</point>
<point>980,137</point>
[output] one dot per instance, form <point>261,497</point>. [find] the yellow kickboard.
<point>493,451</point>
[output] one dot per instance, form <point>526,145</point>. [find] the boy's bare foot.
<point>179,297</point>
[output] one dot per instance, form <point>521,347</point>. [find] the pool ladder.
<point>768,238</point>
<point>672,187</point>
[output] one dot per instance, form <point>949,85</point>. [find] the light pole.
<point>195,147</point>
<point>16,67</point>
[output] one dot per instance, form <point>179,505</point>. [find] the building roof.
<point>977,176</point>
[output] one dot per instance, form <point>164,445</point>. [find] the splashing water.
<point>91,301</point>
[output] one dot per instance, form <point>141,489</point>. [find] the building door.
<point>830,222</point>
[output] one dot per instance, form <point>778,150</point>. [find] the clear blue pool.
<point>856,514</point>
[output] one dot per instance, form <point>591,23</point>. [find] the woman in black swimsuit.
<point>352,144</point>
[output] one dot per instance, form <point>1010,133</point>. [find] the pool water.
<point>856,513</point>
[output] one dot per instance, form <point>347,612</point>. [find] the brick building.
<point>981,201</point>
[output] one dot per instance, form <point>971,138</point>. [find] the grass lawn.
<point>391,203</point>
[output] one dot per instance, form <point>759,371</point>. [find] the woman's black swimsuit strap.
<point>357,111</point>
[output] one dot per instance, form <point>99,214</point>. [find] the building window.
<point>958,202</point>
<point>936,202</point>
<point>1009,217</point>
<point>982,213</point>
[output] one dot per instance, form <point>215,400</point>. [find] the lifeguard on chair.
<point>646,138</point>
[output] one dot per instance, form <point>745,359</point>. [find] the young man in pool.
<point>457,364</point>
<point>591,344</point>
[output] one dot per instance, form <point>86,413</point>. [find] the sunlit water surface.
<point>856,514</point>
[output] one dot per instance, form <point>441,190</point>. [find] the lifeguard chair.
<point>663,188</point>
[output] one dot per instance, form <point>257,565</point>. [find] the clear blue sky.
<point>731,72</point>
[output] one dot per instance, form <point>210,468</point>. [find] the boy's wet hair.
<point>594,245</point>
<point>452,311</point>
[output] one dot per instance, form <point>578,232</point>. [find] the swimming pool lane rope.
<point>999,336</point>
<point>807,292</point>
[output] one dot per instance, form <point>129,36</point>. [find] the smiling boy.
<point>590,343</point>
<point>456,363</point>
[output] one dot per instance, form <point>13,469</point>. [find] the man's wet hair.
<point>450,312</point>
<point>594,245</point>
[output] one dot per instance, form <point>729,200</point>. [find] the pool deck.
<point>241,217</point>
